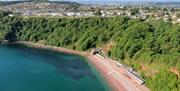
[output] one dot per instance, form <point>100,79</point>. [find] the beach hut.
<point>133,75</point>
<point>95,50</point>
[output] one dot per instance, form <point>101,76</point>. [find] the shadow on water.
<point>73,66</point>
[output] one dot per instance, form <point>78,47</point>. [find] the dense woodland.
<point>152,48</point>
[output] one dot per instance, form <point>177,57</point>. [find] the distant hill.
<point>10,2</point>
<point>2,3</point>
<point>133,3</point>
<point>164,4</point>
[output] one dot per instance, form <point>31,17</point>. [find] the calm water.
<point>30,69</point>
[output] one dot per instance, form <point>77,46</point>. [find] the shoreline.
<point>86,55</point>
<point>117,81</point>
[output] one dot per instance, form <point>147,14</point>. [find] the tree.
<point>98,12</point>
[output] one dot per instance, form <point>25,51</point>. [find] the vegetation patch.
<point>175,71</point>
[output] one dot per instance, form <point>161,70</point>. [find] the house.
<point>70,13</point>
<point>11,15</point>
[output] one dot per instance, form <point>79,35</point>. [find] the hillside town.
<point>71,10</point>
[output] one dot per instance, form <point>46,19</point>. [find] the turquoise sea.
<point>31,69</point>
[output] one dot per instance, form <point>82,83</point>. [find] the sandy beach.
<point>113,74</point>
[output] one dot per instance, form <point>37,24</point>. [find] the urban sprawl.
<point>28,9</point>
